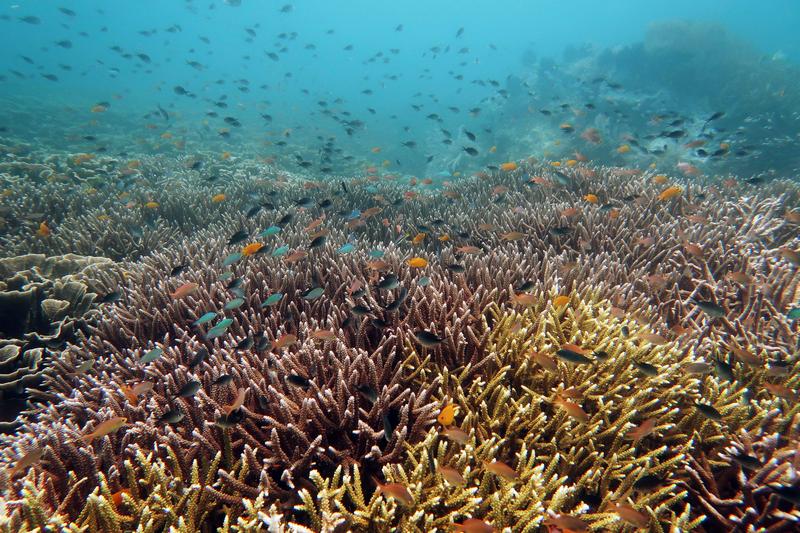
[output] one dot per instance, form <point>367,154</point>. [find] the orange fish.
<point>560,301</point>
<point>99,108</point>
<point>217,198</point>
<point>512,236</point>
<point>501,469</point>
<point>631,515</point>
<point>695,144</point>
<point>739,277</point>
<point>623,149</point>
<point>455,434</point>
<point>570,212</point>
<point>614,213</point>
<point>237,402</point>
<point>468,249</point>
<point>252,248</point>
<point>417,262</point>
<point>746,356</point>
<point>508,166</point>
<point>184,290</point>
<point>375,149</point>
<point>486,227</point>
<point>133,393</point>
<point>397,491</point>
<point>473,525</point>
<point>444,237</point>
<point>591,198</point>
<point>151,205</point>
<point>109,426</point>
<point>315,223</point>
<point>781,391</point>
<point>44,230</point>
<point>285,340</point>
<point>653,338</point>
<point>378,264</point>
<point>451,475</point>
<point>418,238</point>
<point>116,498</point>
<point>547,362</point>
<point>659,179</point>
<point>323,335</point>
<point>225,155</point>
<point>694,249</point>
<point>447,415</point>
<point>26,461</point>
<point>524,298</point>
<point>669,193</point>
<point>642,430</point>
<point>573,409</point>
<point>498,190</point>
<point>566,522</point>
<point>372,211</point>
<point>296,256</point>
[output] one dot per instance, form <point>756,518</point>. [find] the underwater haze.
<point>334,266</point>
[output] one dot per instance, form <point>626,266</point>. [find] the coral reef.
<point>272,360</point>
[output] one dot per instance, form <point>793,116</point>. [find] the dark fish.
<point>389,282</point>
<point>238,237</point>
<point>708,411</point>
<point>626,332</point>
<point>790,494</point>
<point>526,286</point>
<point>378,323</point>
<point>112,296</point>
<point>470,135</point>
<point>398,301</point>
<point>234,284</point>
<point>173,416</point>
<point>368,392</point>
<point>724,370</point>
<point>573,357</point>
<point>190,389</point>
<point>746,461</point>
<point>710,308</point>
<point>601,355</point>
<point>648,483</point>
<point>223,380</point>
<point>317,242</point>
<point>390,421</point>
<point>245,344</point>
<point>344,187</point>
<point>559,231</point>
<point>562,178</point>
<point>456,268</point>
<point>646,368</point>
<point>470,150</point>
<point>360,310</point>
<point>199,357</point>
<point>179,269</point>
<point>427,339</point>
<point>253,211</point>
<point>285,219</point>
<point>231,420</point>
<point>298,381</point>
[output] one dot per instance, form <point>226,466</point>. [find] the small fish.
<point>641,431</point>
<point>389,282</point>
<point>397,491</point>
<point>199,357</point>
<point>724,370</point>
<point>424,281</point>
<point>173,416</point>
<point>237,402</point>
<point>455,434</point>
<point>251,249</point>
<point>456,268</point>
<point>573,409</point>
<point>451,475</point>
<point>219,329</point>
<point>501,469</point>
<point>447,415</point>
<point>238,237</point>
<point>231,259</point>
<point>710,308</point>
<point>473,525</point>
<point>234,304</point>
<point>565,522</point>
<point>368,392</point>
<point>223,380</point>
<point>417,262</point>
<point>747,461</point>
<point>669,193</point>
<point>572,356</point>
<point>631,515</point>
<point>427,338</point>
<point>109,426</point>
<point>32,457</point>
<point>272,230</point>
<point>272,299</point>
<point>298,381</point>
<point>208,317</point>
<point>285,340</point>
<point>178,269</point>
<point>648,483</point>
<point>708,411</point>
<point>699,368</point>
<point>151,356</point>
<point>314,293</point>
<point>189,390</point>
<point>561,301</point>
<point>184,290</point>
<point>111,297</point>
<point>646,368</point>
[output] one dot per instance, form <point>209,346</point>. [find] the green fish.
<point>219,329</point>
<point>273,299</point>
<point>152,355</point>
<point>208,317</point>
<point>377,254</point>
<point>225,276</point>
<point>233,304</point>
<point>793,314</point>
<point>231,259</point>
<point>280,251</point>
<point>272,230</point>
<point>711,309</point>
<point>314,293</point>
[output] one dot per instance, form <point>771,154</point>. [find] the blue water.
<point>389,69</point>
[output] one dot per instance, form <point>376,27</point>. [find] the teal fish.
<point>377,254</point>
<point>573,357</point>
<point>208,317</point>
<point>233,304</point>
<point>273,299</point>
<point>711,309</point>
<point>793,314</point>
<point>314,293</point>
<point>346,249</point>
<point>424,281</point>
<point>152,355</point>
<point>225,276</point>
<point>231,259</point>
<point>272,230</point>
<point>219,329</point>
<point>280,251</point>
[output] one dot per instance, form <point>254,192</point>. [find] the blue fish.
<point>354,214</point>
<point>314,293</point>
<point>233,304</point>
<point>231,259</point>
<point>219,329</point>
<point>208,317</point>
<point>280,251</point>
<point>272,230</point>
<point>273,299</point>
<point>376,253</point>
<point>346,249</point>
<point>151,356</point>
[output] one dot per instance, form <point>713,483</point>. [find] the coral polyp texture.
<point>581,352</point>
